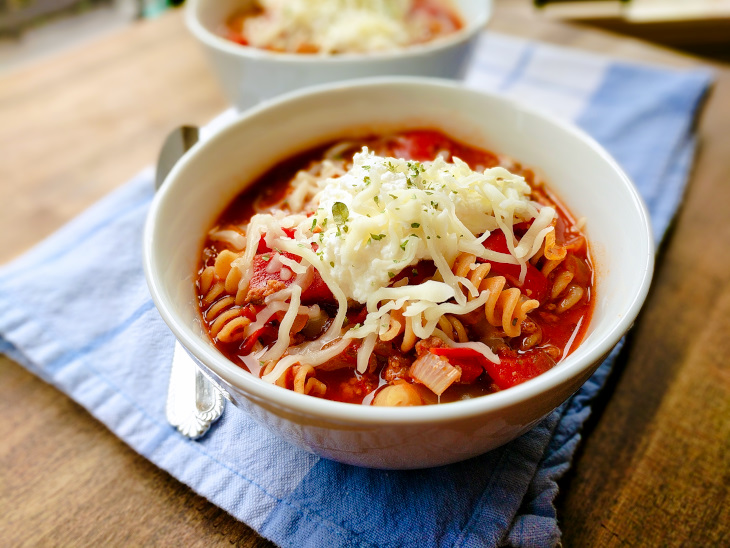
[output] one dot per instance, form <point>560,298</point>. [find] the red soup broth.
<point>521,358</point>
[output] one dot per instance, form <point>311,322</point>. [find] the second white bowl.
<point>250,75</point>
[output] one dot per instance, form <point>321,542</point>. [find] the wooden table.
<point>654,465</point>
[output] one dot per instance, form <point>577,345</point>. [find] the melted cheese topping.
<point>333,26</point>
<point>360,228</point>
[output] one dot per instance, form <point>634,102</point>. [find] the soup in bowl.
<point>386,279</point>
<point>257,55</point>
<point>334,27</point>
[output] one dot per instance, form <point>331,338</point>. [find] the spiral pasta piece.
<point>573,296</point>
<point>551,249</point>
<point>506,308</point>
<point>396,326</point>
<point>222,264</point>
<point>564,288</point>
<point>220,305</point>
<point>226,320</point>
<point>552,253</point>
<point>207,277</point>
<point>532,334</point>
<point>409,336</point>
<point>283,379</point>
<point>233,328</point>
<point>400,325</point>
<point>561,282</point>
<point>549,266</point>
<point>305,381</point>
<point>465,267</point>
<point>453,328</point>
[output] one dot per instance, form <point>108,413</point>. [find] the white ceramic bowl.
<point>250,75</point>
<point>576,167</point>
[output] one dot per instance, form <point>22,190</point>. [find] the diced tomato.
<point>469,361</point>
<point>261,276</point>
<point>421,145</point>
<point>514,368</point>
<point>535,284</point>
<point>263,248</point>
<point>317,291</point>
<point>250,312</point>
<point>470,371</point>
<point>497,242</point>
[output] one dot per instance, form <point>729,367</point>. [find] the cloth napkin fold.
<point>88,326</point>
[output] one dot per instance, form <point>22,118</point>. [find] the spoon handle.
<point>193,402</point>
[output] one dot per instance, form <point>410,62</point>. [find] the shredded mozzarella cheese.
<point>400,212</point>
<point>333,26</point>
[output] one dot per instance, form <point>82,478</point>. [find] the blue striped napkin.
<point>89,327</point>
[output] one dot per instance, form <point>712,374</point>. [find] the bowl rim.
<point>339,412</point>
<point>470,29</point>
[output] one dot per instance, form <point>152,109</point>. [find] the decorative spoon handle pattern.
<point>193,401</point>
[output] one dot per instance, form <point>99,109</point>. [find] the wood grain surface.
<point>653,468</point>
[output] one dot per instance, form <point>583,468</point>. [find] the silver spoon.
<point>193,401</point>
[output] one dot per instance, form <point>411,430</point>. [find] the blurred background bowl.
<point>250,75</point>
<point>575,167</point>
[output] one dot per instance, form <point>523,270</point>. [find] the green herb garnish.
<point>340,213</point>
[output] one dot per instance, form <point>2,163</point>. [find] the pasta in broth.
<point>400,269</point>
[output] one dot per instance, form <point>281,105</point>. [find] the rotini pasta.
<point>505,307</point>
<point>305,381</point>
<point>225,319</point>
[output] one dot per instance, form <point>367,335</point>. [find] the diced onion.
<point>435,372</point>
